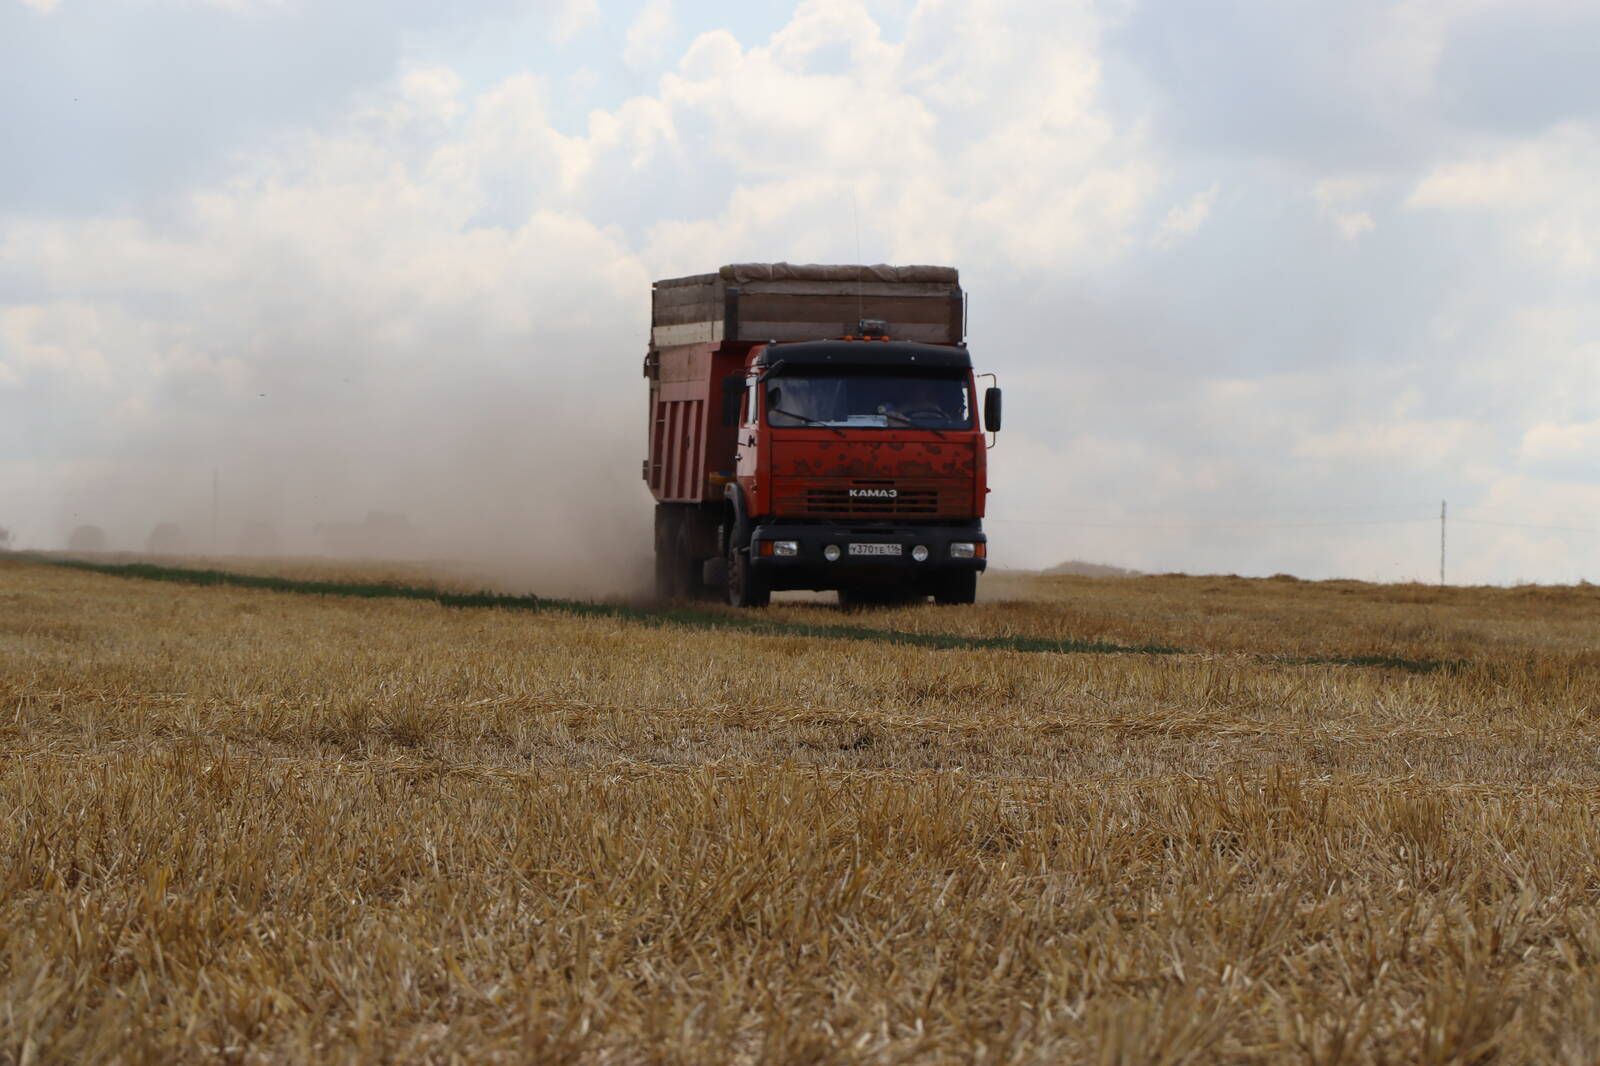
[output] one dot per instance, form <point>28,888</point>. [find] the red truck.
<point>816,427</point>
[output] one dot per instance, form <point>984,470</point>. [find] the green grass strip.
<point>1375,662</point>
<point>689,617</point>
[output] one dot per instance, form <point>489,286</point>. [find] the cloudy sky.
<point>1264,281</point>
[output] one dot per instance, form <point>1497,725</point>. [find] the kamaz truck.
<point>816,427</point>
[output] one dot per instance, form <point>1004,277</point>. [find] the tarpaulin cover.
<point>742,272</point>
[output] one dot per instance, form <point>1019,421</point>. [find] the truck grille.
<point>823,501</point>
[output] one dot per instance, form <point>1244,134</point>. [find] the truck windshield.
<point>869,401</point>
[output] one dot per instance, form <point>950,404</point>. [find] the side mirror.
<point>991,410</point>
<point>774,396</point>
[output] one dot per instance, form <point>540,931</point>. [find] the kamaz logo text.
<point>874,494</point>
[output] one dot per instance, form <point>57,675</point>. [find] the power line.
<point>1529,525</point>
<point>1208,525</point>
<point>1511,513</point>
<point>1179,524</point>
<point>1231,513</point>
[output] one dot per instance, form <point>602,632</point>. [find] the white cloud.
<point>979,135</point>
<point>1542,189</point>
<point>1409,442</point>
<point>428,94</point>
<point>572,17</point>
<point>1572,443</point>
<point>60,338</point>
<point>1340,201</point>
<point>646,41</point>
<point>1185,220</point>
<point>1352,224</point>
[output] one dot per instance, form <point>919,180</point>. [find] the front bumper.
<point>809,569</point>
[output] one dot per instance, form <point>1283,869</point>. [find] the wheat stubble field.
<point>1322,823</point>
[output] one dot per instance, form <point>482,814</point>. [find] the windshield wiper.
<point>802,418</point>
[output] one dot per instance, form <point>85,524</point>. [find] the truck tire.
<point>685,567</point>
<point>747,586</point>
<point>955,590</point>
<point>666,549</point>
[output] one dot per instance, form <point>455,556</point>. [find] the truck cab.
<point>860,467</point>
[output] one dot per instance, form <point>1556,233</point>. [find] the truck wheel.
<point>666,550</point>
<point>957,589</point>
<point>685,568</point>
<point>747,586</point>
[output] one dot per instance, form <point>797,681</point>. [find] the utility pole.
<point>1441,543</point>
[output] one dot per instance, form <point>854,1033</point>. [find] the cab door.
<point>747,449</point>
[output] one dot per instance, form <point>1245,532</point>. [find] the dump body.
<point>691,426</point>
<point>784,419</point>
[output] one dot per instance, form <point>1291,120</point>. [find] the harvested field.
<point>1235,821</point>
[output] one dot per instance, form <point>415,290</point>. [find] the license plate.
<point>874,549</point>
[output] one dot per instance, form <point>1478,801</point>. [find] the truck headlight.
<point>920,553</point>
<point>785,547</point>
<point>963,549</point>
<point>831,553</point>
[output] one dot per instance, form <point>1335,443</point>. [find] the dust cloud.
<point>513,470</point>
